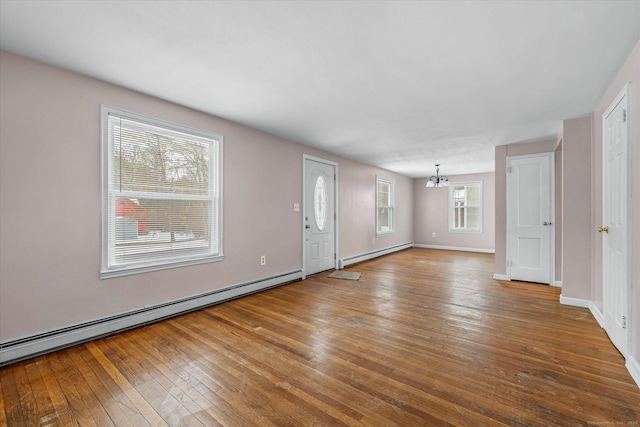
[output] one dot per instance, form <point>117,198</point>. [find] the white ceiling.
<point>399,85</point>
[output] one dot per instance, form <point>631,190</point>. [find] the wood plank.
<point>56,394</point>
<point>11,398</point>
<point>27,398</point>
<point>120,408</point>
<point>76,395</point>
<point>45,412</point>
<point>425,337</point>
<point>141,404</point>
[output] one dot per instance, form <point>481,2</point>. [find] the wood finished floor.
<point>424,338</point>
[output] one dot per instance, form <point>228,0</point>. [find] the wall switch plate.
<point>296,207</point>
<point>433,234</point>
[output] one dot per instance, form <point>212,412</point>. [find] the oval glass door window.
<point>320,203</point>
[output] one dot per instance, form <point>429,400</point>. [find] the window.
<point>384,203</point>
<point>465,206</point>
<point>320,203</point>
<point>161,194</point>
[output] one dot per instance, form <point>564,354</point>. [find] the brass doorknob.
<point>546,223</point>
<point>307,226</point>
<point>605,229</point>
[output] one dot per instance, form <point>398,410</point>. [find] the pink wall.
<point>50,203</point>
<point>358,209</point>
<point>576,208</point>
<point>431,215</point>
<point>558,216</point>
<point>628,73</point>
<point>501,154</point>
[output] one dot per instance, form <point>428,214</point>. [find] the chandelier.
<point>438,180</point>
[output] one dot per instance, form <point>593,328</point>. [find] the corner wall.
<point>576,208</point>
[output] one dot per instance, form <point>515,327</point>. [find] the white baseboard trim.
<point>557,283</point>
<point>371,255</point>
<point>597,314</point>
<point>576,302</point>
<point>634,369</point>
<point>455,248</point>
<point>33,345</point>
<point>497,276</point>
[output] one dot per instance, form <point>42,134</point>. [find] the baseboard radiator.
<point>456,248</point>
<point>371,255</point>
<point>34,345</point>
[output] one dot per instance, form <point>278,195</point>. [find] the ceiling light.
<point>438,180</point>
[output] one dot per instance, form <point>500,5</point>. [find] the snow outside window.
<point>161,198</point>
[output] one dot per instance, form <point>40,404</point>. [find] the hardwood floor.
<point>424,338</point>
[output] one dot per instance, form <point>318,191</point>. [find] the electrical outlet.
<point>296,207</point>
<point>373,240</point>
<point>433,234</point>
<point>263,260</point>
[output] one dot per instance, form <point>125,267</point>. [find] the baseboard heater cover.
<point>456,248</point>
<point>34,345</point>
<point>375,254</point>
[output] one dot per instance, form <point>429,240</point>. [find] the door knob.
<point>546,223</point>
<point>605,229</point>
<point>307,226</point>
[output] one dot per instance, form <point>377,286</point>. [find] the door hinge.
<point>334,177</point>
<point>334,216</point>
<point>510,169</point>
<point>624,116</point>
<point>509,263</point>
<point>624,322</point>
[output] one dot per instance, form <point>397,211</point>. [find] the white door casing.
<point>615,229</point>
<point>529,218</point>
<point>319,215</point>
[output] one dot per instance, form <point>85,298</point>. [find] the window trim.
<point>451,208</point>
<point>105,155</point>
<point>392,196</point>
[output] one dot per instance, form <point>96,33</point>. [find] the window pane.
<point>465,206</point>
<point>320,203</point>
<point>159,229</point>
<point>473,195</point>
<point>473,218</point>
<point>161,199</point>
<point>383,193</point>
<point>146,161</point>
<point>384,206</point>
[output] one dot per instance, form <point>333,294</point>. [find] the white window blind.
<point>384,206</point>
<point>161,194</point>
<point>465,206</point>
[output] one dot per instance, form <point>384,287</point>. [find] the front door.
<point>615,217</point>
<point>319,218</point>
<point>529,215</point>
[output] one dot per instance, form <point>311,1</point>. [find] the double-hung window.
<point>465,206</point>
<point>161,194</point>
<point>384,206</point>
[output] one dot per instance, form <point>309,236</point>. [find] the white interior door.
<point>319,219</point>
<point>529,214</point>
<point>615,217</point>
